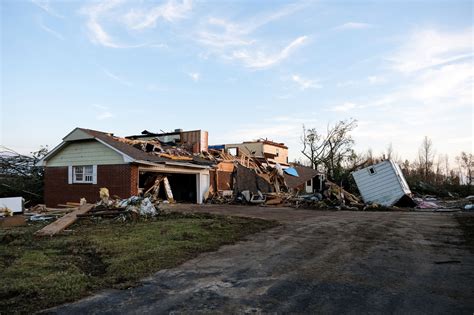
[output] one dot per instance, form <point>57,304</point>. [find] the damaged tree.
<point>20,176</point>
<point>329,150</point>
<point>466,163</point>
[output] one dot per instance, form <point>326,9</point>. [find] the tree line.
<point>332,152</point>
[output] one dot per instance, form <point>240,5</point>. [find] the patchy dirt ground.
<point>317,261</point>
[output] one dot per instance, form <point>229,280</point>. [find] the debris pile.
<point>121,209</point>
<point>173,151</point>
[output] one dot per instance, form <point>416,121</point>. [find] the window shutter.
<point>69,174</point>
<point>94,174</point>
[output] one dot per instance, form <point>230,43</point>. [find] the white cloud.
<point>195,76</point>
<point>220,33</point>
<point>430,48</point>
<point>104,112</point>
<point>353,26</point>
<point>97,33</point>
<point>170,11</point>
<point>344,107</point>
<point>116,77</point>
<point>51,31</point>
<point>113,14</point>
<point>434,97</point>
<point>260,60</point>
<point>451,84</point>
<point>236,41</point>
<point>305,83</point>
<point>45,5</point>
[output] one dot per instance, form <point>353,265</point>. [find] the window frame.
<point>88,174</point>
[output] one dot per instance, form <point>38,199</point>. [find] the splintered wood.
<point>169,193</point>
<point>63,222</point>
<point>155,189</point>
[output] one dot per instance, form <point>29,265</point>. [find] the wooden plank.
<point>60,205</point>
<point>169,193</point>
<point>226,166</point>
<point>76,204</point>
<point>63,222</point>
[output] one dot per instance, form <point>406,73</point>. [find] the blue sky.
<point>239,69</point>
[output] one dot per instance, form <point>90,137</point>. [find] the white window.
<point>83,174</point>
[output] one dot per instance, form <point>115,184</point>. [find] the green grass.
<point>41,273</point>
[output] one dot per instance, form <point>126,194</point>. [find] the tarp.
<point>291,171</point>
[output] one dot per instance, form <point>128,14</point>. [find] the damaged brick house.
<point>87,160</point>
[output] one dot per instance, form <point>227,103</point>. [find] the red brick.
<point>121,180</point>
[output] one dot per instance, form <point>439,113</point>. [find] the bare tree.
<point>466,164</point>
<point>389,151</point>
<point>330,149</point>
<point>425,157</point>
<point>438,169</point>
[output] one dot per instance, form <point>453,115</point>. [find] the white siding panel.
<point>85,153</point>
<point>374,182</point>
<point>383,187</point>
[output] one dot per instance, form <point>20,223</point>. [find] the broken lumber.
<point>274,201</point>
<point>63,222</point>
<point>176,157</point>
<point>61,205</point>
<point>169,193</point>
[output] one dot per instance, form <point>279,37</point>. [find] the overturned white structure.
<point>382,183</point>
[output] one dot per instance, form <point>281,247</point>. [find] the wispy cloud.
<point>51,31</point>
<point>430,48</point>
<point>305,83</point>
<point>436,91</point>
<point>103,112</point>
<point>260,59</point>
<point>46,6</point>
<point>434,68</point>
<point>237,41</point>
<point>118,15</point>
<point>170,11</point>
<point>97,33</point>
<point>195,76</point>
<point>353,26</point>
<point>116,77</point>
<point>343,107</point>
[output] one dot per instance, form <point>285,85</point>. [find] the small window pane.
<point>88,169</point>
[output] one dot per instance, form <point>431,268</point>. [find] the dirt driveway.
<point>316,261</point>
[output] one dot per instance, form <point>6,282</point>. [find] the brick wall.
<point>121,180</point>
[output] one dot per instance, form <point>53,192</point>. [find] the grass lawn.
<point>41,273</point>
